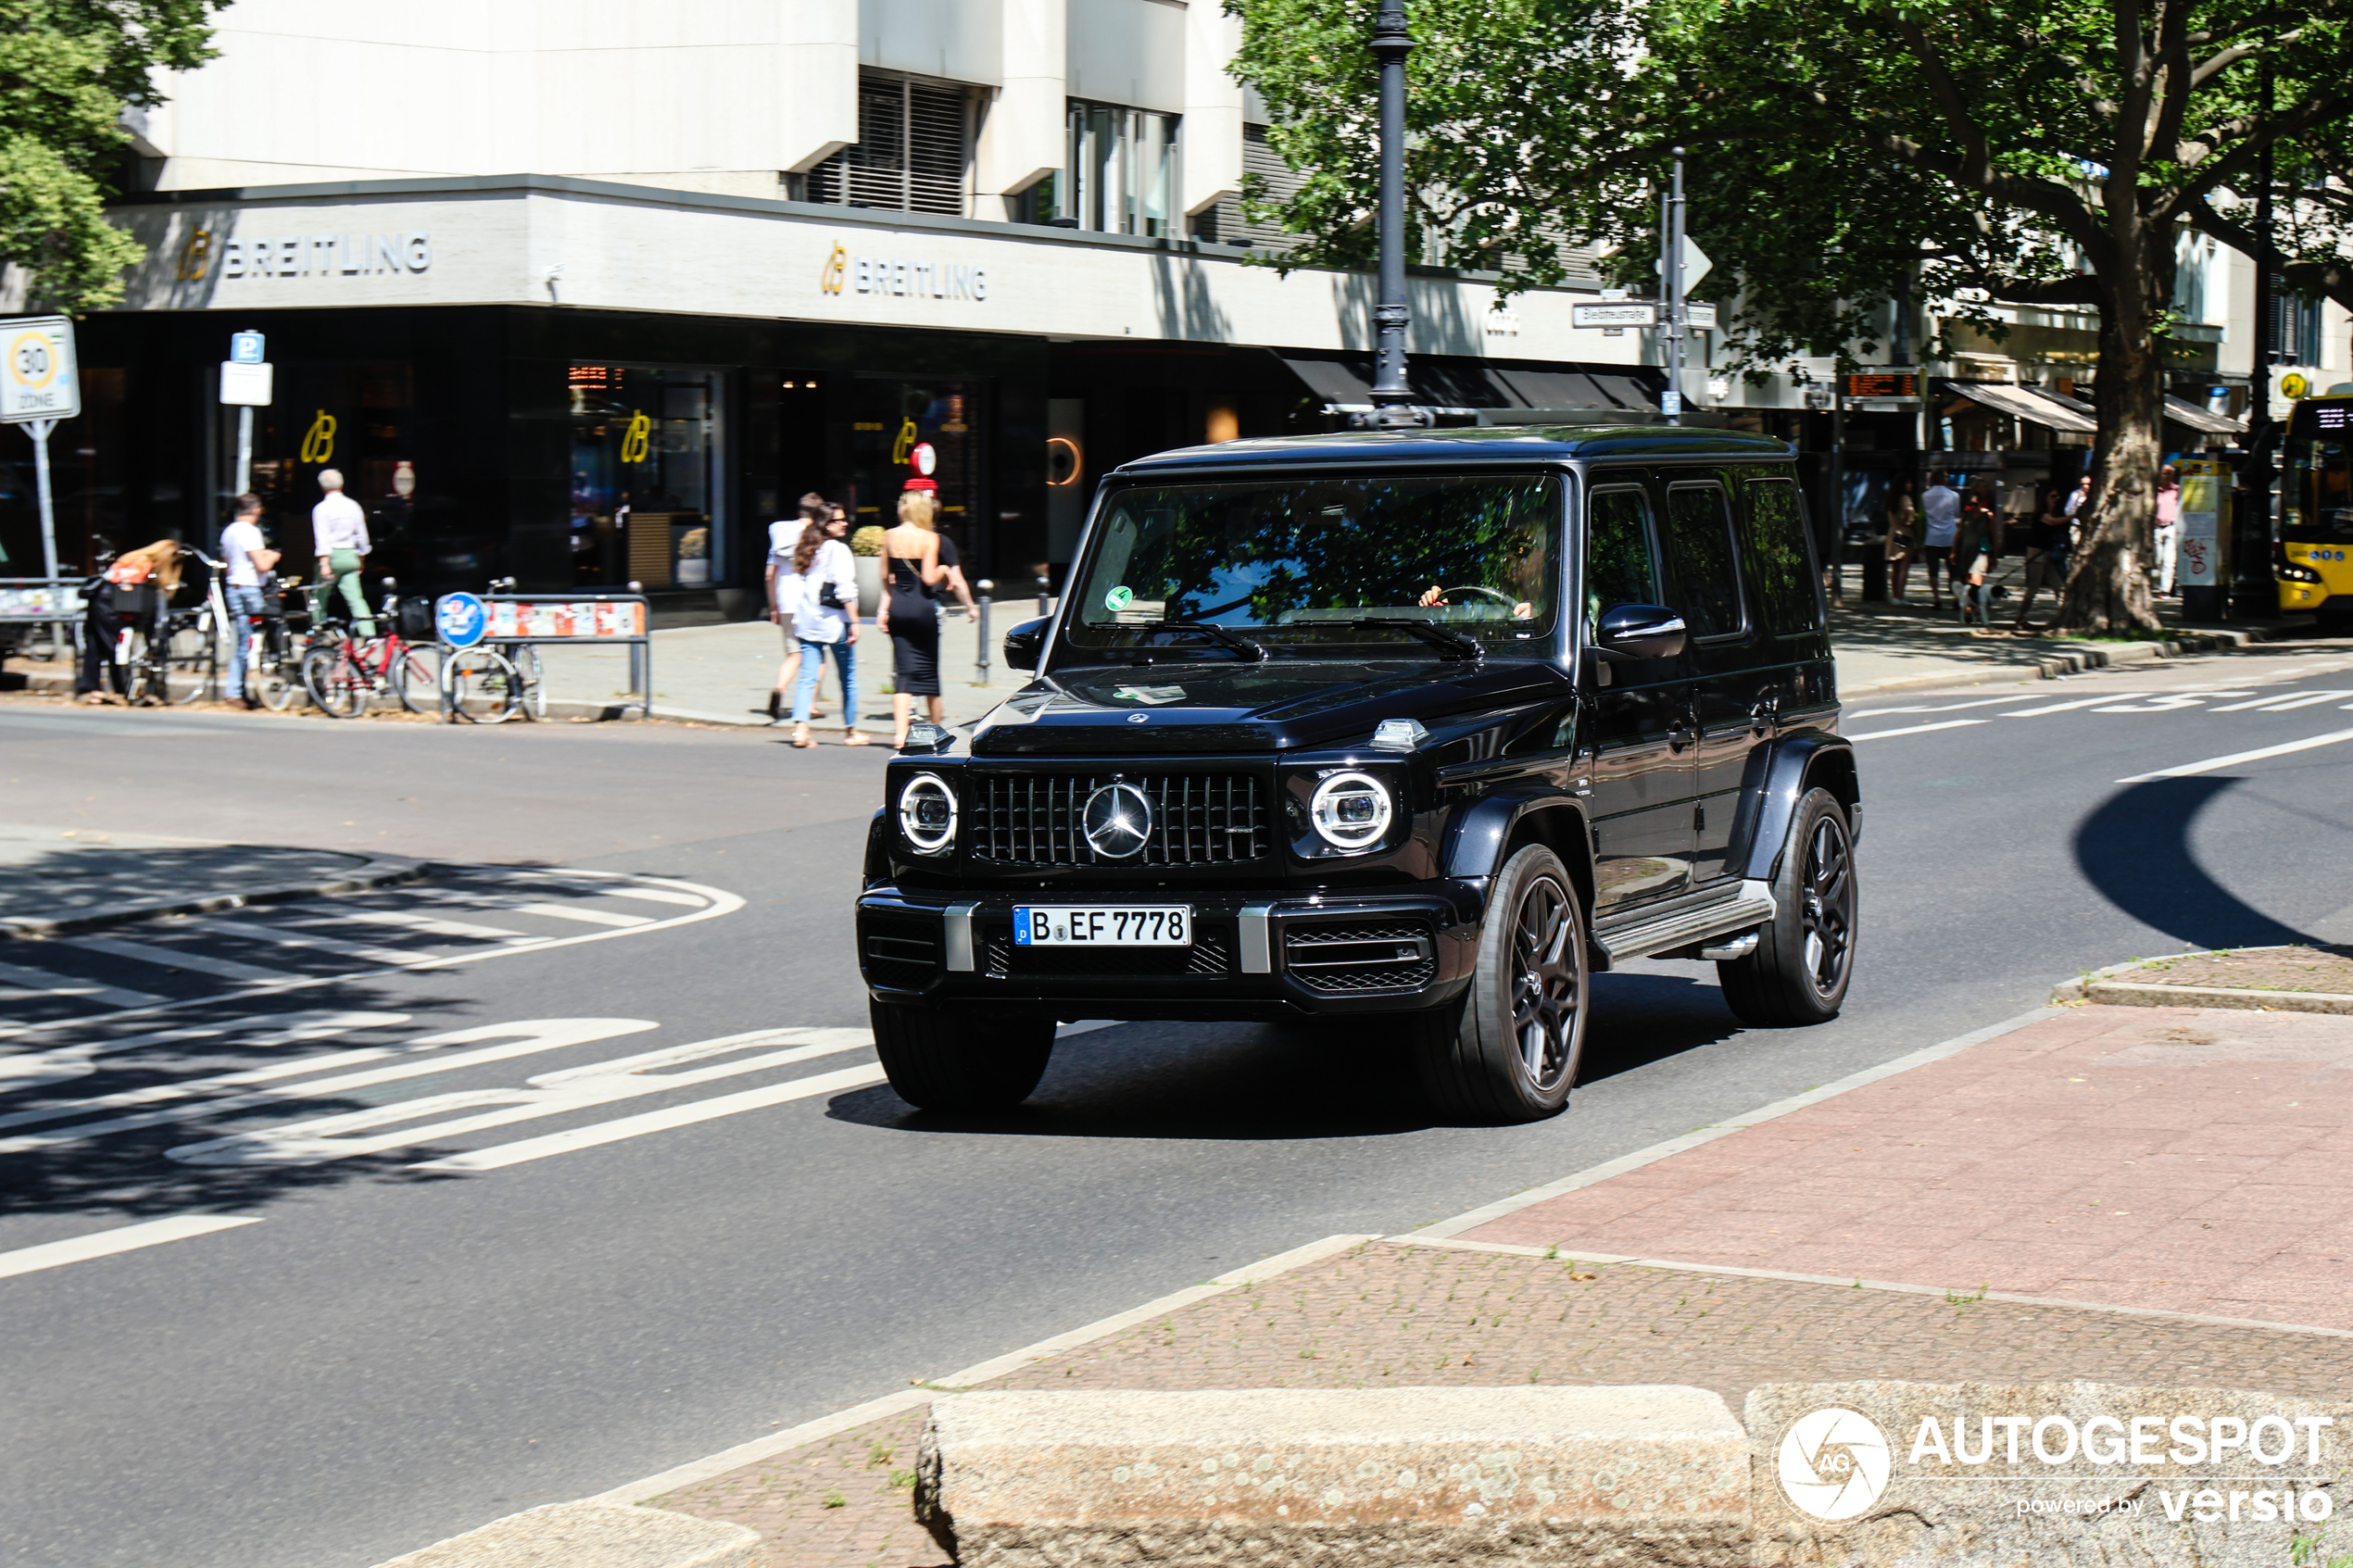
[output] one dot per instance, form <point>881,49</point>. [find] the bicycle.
<point>193,638</point>
<point>343,673</point>
<point>531,690</point>
<point>480,685</point>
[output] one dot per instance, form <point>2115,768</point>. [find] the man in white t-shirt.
<point>248,558</point>
<point>339,534</point>
<point>1941,516</point>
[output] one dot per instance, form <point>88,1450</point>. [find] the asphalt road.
<point>474,1279</point>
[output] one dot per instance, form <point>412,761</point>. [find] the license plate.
<point>1103,925</point>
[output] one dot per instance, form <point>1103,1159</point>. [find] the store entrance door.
<point>891,421</point>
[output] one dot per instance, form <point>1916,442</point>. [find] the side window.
<point>1780,576</point>
<point>1618,566</point>
<point>1707,568</point>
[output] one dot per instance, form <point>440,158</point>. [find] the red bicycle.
<point>343,674</point>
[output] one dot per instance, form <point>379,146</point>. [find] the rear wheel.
<point>480,685</point>
<point>1509,1051</point>
<point>1805,953</point>
<point>331,677</point>
<point>416,680</point>
<point>194,656</point>
<point>955,1062</point>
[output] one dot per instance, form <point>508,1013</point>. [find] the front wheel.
<point>954,1061</point>
<point>1804,955</point>
<point>1510,1049</point>
<point>416,679</point>
<point>331,677</point>
<point>480,686</point>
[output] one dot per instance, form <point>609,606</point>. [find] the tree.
<point>67,70</point>
<point>1850,151</point>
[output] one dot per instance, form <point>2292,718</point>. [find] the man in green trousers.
<point>339,532</point>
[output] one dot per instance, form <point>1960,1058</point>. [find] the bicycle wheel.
<point>525,659</point>
<point>333,682</point>
<point>143,671</point>
<point>416,679</point>
<point>481,687</point>
<point>192,658</point>
<point>270,673</point>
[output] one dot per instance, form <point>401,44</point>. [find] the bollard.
<point>980,616</point>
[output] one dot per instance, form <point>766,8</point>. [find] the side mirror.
<point>1632,631</point>
<point>1023,644</point>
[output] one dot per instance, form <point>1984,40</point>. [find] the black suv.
<point>1414,731</point>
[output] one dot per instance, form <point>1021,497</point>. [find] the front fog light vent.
<point>927,814</point>
<point>1349,810</point>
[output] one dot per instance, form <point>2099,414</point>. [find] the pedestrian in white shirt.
<point>248,558</point>
<point>821,596</point>
<point>783,536</point>
<point>339,534</point>
<point>1941,514</point>
<point>2169,524</point>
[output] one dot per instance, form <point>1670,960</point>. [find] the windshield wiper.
<point>1453,644</point>
<point>1223,638</point>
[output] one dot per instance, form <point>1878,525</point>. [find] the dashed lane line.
<point>2072,706</point>
<point>42,981</point>
<point>172,958</point>
<point>121,1238</point>
<point>2309,744</point>
<point>1919,729</point>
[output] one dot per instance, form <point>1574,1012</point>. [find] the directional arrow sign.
<point>1696,265</point>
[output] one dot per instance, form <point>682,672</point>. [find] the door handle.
<point>1761,717</point>
<point>1678,736</point>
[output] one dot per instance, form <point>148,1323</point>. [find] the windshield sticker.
<point>1156,695</point>
<point>1119,598</point>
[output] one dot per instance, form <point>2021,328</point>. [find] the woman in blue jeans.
<point>822,570</point>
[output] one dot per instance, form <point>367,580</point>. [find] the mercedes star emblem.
<point>1117,820</point>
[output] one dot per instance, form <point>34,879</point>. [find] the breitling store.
<point>584,384</point>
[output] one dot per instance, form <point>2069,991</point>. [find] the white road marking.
<point>499,1155</point>
<point>171,957</point>
<point>31,1070</point>
<point>121,1238</point>
<point>2186,768</point>
<point>542,1034</point>
<point>585,917</point>
<point>2167,702</point>
<point>425,924</point>
<point>646,895</point>
<point>158,1094</point>
<point>1919,729</point>
<point>2072,706</point>
<point>1935,707</point>
<point>2278,703</point>
<point>261,931</point>
<point>552,1094</point>
<point>46,983</point>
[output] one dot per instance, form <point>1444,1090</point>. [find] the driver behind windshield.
<point>1524,565</point>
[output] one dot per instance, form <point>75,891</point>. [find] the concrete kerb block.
<point>592,1535</point>
<point>1367,1478</point>
<point>2109,987</point>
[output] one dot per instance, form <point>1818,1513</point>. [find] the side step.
<point>1751,906</point>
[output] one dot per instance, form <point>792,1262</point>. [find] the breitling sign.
<point>845,273</point>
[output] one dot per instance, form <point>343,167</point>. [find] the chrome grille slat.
<point>1198,819</point>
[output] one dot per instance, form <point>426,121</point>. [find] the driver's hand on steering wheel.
<point>1436,595</point>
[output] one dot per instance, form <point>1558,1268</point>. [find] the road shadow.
<point>2135,850</point>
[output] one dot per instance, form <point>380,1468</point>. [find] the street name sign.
<point>39,382</point>
<point>1617,313</point>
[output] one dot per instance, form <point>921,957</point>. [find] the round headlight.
<point>927,814</point>
<point>1349,810</point>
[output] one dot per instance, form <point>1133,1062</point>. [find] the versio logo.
<point>1833,1464</point>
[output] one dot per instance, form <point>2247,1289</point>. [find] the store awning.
<point>1453,381</point>
<point>2020,402</point>
<point>1332,380</point>
<point>2182,411</point>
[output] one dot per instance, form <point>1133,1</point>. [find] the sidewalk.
<point>2128,1195</point>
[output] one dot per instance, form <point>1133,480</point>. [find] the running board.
<point>1751,906</point>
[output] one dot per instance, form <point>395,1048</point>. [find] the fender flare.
<point>1778,778</point>
<point>1477,835</point>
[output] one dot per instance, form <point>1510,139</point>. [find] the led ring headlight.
<point>927,814</point>
<point>1349,810</point>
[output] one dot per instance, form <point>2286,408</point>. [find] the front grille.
<point>1198,819</point>
<point>1212,954</point>
<point>1389,956</point>
<point>901,951</point>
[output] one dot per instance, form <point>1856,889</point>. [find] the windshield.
<point>2317,502</point>
<point>1305,561</point>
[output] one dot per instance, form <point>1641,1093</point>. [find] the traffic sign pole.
<point>39,430</point>
<point>244,448</point>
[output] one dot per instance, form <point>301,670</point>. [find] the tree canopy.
<point>67,70</point>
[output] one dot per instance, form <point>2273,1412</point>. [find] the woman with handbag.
<point>128,594</point>
<point>821,596</point>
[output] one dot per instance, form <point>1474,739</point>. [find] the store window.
<point>648,500</point>
<point>897,428</point>
<point>1118,173</point>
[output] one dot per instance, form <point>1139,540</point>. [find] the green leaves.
<point>67,70</point>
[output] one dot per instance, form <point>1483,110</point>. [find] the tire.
<point>480,686</point>
<point>194,656</point>
<point>1805,953</point>
<point>274,687</point>
<point>1510,1049</point>
<point>416,680</point>
<point>334,682</point>
<point>525,659</point>
<point>954,1061</point>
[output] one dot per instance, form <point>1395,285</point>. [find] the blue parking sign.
<point>459,620</point>
<point>244,348</point>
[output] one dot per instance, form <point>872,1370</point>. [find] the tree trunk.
<point>2108,591</point>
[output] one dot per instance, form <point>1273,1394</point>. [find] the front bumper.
<point>1273,957</point>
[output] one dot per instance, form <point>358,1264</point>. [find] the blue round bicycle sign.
<point>460,619</point>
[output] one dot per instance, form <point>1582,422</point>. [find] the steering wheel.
<point>1496,593</point>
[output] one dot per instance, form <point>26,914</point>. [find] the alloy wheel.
<point>1545,994</point>
<point>1828,913</point>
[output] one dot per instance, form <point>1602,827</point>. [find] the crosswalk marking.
<point>2072,706</point>
<point>259,931</point>
<point>171,957</point>
<point>121,1238</point>
<point>586,917</point>
<point>2278,702</point>
<point>499,1155</point>
<point>2186,768</point>
<point>42,981</point>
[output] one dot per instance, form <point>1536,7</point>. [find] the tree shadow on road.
<point>2136,849</point>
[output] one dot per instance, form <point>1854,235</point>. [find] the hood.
<point>1283,705</point>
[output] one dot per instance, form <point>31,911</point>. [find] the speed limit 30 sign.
<point>37,379</point>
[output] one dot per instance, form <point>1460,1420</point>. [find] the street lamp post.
<point>1670,268</point>
<point>1393,396</point>
<point>2252,592</point>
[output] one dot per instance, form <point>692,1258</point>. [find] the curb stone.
<point>592,1535</point>
<point>378,870</point>
<point>2101,986</point>
<point>2077,661</point>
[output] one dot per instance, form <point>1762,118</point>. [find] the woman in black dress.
<point>911,573</point>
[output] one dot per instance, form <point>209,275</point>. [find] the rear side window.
<point>1781,575</point>
<point>1708,580</point>
<point>1619,569</point>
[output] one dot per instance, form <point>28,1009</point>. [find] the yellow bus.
<point>2316,513</point>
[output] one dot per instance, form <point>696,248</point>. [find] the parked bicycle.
<point>343,673</point>
<point>195,638</point>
